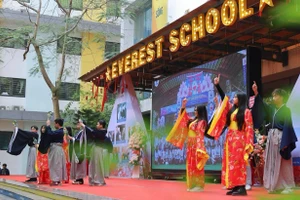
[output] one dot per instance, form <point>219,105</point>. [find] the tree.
<point>32,35</point>
<point>89,112</point>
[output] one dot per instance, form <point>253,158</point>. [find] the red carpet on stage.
<point>139,189</point>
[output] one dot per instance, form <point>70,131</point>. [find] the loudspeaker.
<point>285,58</point>
<point>254,69</point>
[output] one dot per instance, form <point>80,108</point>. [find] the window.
<point>73,45</point>
<point>4,139</point>
<point>12,87</point>
<point>143,24</point>
<point>12,39</point>
<point>111,49</point>
<point>143,95</point>
<point>76,4</point>
<point>69,91</point>
<point>148,22</point>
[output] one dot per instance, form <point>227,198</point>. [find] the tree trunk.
<point>55,103</point>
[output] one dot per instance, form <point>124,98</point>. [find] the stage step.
<point>14,190</point>
<point>10,189</point>
<point>7,193</point>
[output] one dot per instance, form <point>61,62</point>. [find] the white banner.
<point>125,115</point>
<point>293,104</point>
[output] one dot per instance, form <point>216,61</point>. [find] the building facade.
<point>24,95</point>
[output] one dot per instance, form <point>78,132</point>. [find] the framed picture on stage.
<point>120,134</point>
<point>111,134</point>
<point>121,112</point>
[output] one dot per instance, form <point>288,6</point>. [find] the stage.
<point>140,189</point>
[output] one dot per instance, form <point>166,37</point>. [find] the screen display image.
<point>196,84</point>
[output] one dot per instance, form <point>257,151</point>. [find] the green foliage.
<point>92,116</point>
<point>76,4</point>
<point>90,113</point>
<point>115,9</point>
<point>73,45</point>
<point>14,38</point>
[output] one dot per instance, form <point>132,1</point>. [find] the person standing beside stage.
<point>196,155</point>
<point>56,155</point>
<point>4,171</point>
<point>78,156</point>
<point>96,165</point>
<point>278,168</point>
<point>239,140</point>
<point>31,172</point>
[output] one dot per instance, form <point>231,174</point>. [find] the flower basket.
<point>257,158</point>
<point>136,144</point>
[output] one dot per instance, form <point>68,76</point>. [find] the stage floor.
<point>140,189</point>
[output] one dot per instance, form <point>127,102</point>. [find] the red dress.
<point>238,144</point>
<point>42,168</point>
<point>196,152</point>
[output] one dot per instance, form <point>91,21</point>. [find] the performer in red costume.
<point>193,130</point>
<point>239,140</point>
<point>42,164</point>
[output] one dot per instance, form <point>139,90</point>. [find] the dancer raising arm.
<point>239,139</point>
<point>193,130</point>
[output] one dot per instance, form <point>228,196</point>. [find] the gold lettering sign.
<point>142,53</point>
<point>229,12</point>
<point>187,33</point>
<point>121,66</point>
<point>185,40</point>
<point>212,20</point>
<point>134,60</point>
<point>263,3</point>
<point>150,52</point>
<point>114,69</point>
<point>244,11</point>
<point>159,41</point>
<point>198,27</point>
<point>127,63</point>
<point>108,74</point>
<point>173,39</point>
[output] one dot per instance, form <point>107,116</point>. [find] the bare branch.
<point>26,49</point>
<point>70,6</point>
<point>42,67</point>
<point>37,23</point>
<point>38,17</point>
<point>27,10</point>
<point>61,7</point>
<point>5,39</point>
<point>66,32</point>
<point>91,6</point>
<point>63,53</point>
<point>27,6</point>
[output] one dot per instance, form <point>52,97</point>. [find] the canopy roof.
<point>260,31</point>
